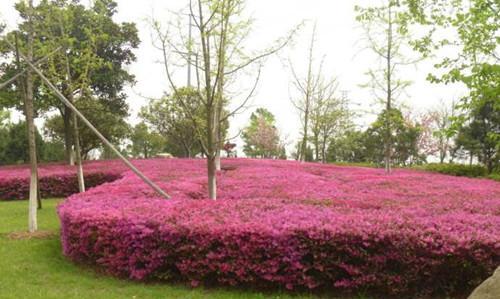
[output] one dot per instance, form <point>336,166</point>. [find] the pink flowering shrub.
<point>56,180</point>
<point>280,223</point>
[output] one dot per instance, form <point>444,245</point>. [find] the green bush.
<point>357,164</point>
<point>495,176</point>
<point>473,171</point>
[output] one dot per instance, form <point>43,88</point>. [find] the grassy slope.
<point>36,268</point>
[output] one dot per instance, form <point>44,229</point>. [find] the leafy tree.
<point>218,46</point>
<point>348,147</point>
<point>479,136</point>
<point>14,148</point>
<point>181,125</point>
<point>261,137</point>
<point>386,36</point>
<point>114,127</point>
<point>308,156</point>
<point>468,32</point>
<point>329,117</point>
<point>91,63</point>
<point>53,151</point>
<point>437,123</point>
<point>404,135</point>
<point>316,103</point>
<point>145,144</point>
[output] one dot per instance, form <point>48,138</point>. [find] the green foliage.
<point>404,138</point>
<point>14,144</point>
<point>180,119</point>
<point>356,164</point>
<point>145,144</point>
<point>309,156</point>
<point>367,147</point>
<point>386,35</point>
<point>4,117</point>
<point>480,135</point>
<point>112,126</point>
<point>53,151</point>
<point>470,29</point>
<point>94,48</point>
<point>91,62</point>
<point>261,136</point>
<point>495,176</point>
<point>348,147</point>
<point>457,169</point>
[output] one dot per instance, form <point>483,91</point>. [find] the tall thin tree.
<point>220,32</point>
<point>386,36</point>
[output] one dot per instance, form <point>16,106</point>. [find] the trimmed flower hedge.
<point>56,180</point>
<point>299,226</point>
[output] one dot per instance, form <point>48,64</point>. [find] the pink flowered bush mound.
<point>280,223</point>
<point>56,180</point>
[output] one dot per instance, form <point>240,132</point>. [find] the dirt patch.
<point>228,168</point>
<point>41,235</point>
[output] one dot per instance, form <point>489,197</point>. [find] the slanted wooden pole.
<point>91,127</point>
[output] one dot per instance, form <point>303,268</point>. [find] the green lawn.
<point>35,268</point>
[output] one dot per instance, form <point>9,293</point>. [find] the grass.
<point>36,268</point>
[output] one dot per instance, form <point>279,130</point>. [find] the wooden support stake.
<point>91,127</point>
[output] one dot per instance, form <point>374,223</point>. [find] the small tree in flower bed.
<point>282,223</point>
<point>56,180</point>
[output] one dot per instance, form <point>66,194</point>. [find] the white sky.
<point>338,37</point>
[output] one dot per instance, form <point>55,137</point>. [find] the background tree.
<point>468,31</point>
<point>386,35</point>
<point>4,117</point>
<point>405,137</point>
<point>219,48</point>
<point>261,137</point>
<point>440,120</point>
<point>179,118</point>
<point>229,148</point>
<point>145,144</point>
<point>92,63</point>
<point>113,126</point>
<point>14,146</point>
<point>329,116</point>
<point>314,91</point>
<point>478,136</point>
<point>347,147</point>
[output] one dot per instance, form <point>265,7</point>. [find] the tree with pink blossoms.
<point>262,138</point>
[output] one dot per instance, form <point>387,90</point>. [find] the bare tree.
<point>441,120</point>
<point>308,89</point>
<point>386,37</point>
<point>330,117</point>
<point>218,46</point>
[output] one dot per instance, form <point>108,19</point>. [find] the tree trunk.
<point>316,147</point>
<point>442,157</point>
<point>323,150</point>
<point>217,161</point>
<point>29,110</point>
<point>22,82</point>
<point>212,178</point>
<point>388,139</point>
<point>308,95</point>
